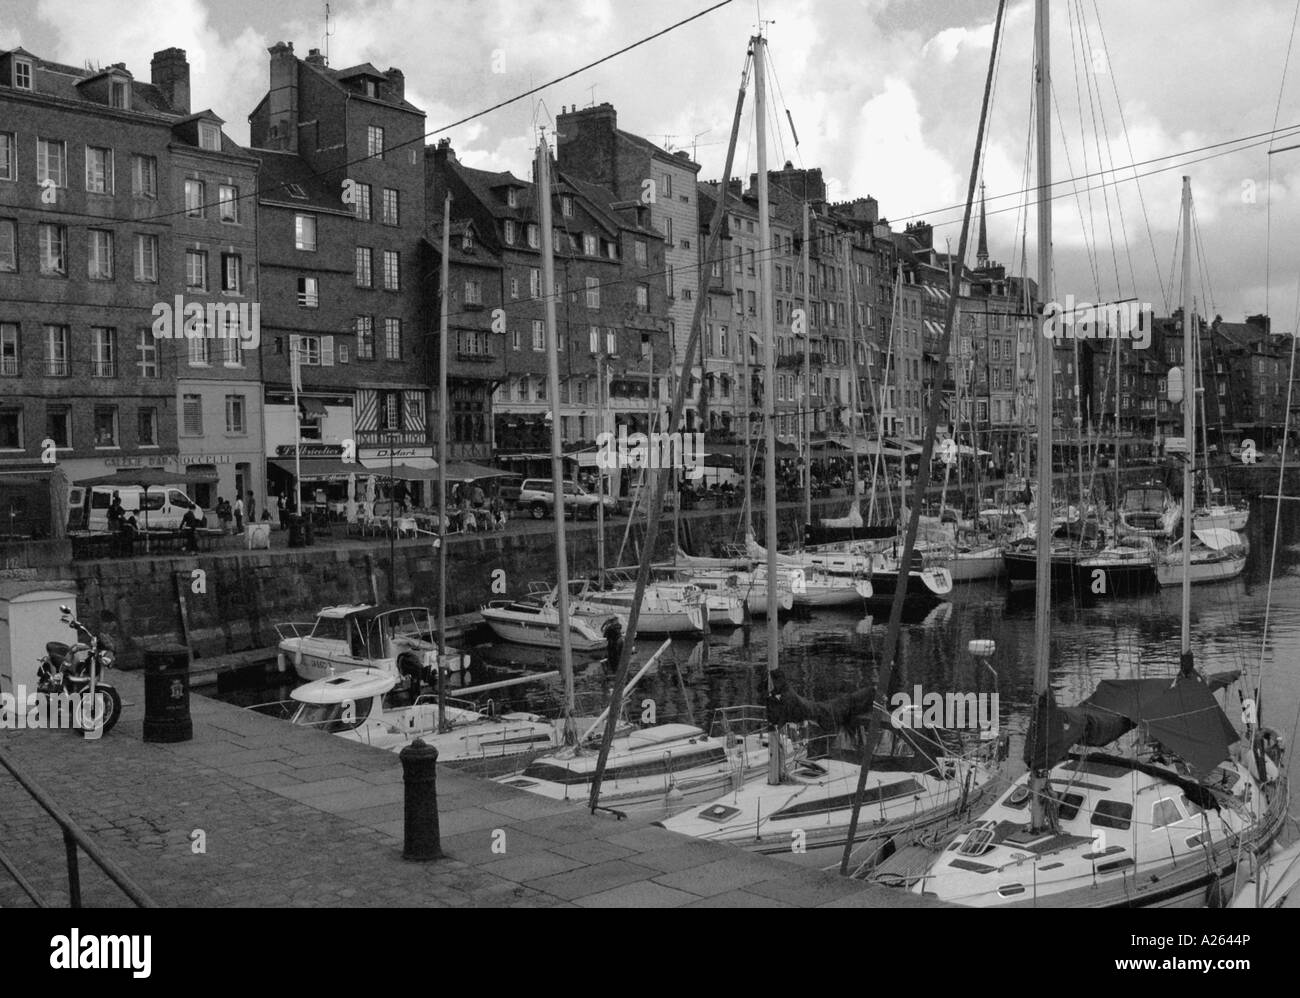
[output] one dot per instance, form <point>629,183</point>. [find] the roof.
<point>365,69</point>
<point>646,146</point>
<point>281,169</point>
<point>56,79</point>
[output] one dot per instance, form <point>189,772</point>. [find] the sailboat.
<point>1156,826</point>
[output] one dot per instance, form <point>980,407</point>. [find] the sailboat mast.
<point>557,462</point>
<point>1046,393</point>
<point>806,416</point>
<point>769,380</point>
<point>443,409</point>
<point>853,373</point>
<point>1189,425</point>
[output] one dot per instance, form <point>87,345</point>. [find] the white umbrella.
<point>350,507</point>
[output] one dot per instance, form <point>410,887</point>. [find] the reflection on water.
<point>837,650</point>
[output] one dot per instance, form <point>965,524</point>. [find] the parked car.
<point>537,497</point>
<point>167,505</point>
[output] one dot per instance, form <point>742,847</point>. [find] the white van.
<point>167,505</point>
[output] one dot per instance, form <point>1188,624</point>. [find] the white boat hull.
<point>1170,571</point>
<point>1221,518</point>
<point>541,630</point>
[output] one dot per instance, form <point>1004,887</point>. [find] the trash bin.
<point>296,538</point>
<point>167,694</point>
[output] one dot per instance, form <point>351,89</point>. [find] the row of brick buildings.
<point>121,208</point>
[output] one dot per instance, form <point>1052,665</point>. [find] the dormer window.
<point>209,136</point>
<point>370,88</point>
<point>119,94</point>
<point>467,242</point>
<point>23,74</point>
<point>566,206</point>
<point>512,197</point>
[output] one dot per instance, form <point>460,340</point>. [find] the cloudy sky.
<point>884,94</point>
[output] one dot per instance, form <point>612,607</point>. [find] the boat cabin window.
<point>334,717</point>
<point>1112,814</point>
<point>1018,798</point>
<point>1068,806</point>
<point>1165,812</point>
<point>330,628</point>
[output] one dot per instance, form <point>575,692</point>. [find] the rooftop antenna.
<point>695,142</point>
<point>328,33</point>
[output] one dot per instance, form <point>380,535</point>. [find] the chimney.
<point>736,186</point>
<point>444,153</point>
<point>314,58</point>
<point>170,73</point>
<point>396,83</point>
<point>282,98</point>
<point>586,146</point>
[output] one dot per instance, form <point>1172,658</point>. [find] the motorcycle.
<point>74,670</point>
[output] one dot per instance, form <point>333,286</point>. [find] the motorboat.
<point>352,705</point>
<point>401,640</point>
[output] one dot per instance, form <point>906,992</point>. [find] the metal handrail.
<point>73,836</point>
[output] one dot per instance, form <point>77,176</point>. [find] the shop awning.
<point>423,466</point>
<point>466,471</point>
<point>316,468</point>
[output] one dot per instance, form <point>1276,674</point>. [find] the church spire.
<point>982,249</point>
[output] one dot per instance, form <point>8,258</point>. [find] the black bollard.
<point>422,841</point>
<point>167,694</point>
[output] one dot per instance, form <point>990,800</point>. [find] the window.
<point>308,292</point>
<point>304,232</point>
<point>392,266</point>
<point>99,170</point>
<point>566,206</point>
<point>365,330</point>
<point>533,236</point>
<point>611,342</point>
<point>510,231</point>
<point>1112,814</point>
<point>119,94</point>
<point>23,74</point>
<point>643,297</point>
<point>51,162</point>
<point>146,346</point>
<point>539,335</point>
<point>196,270</point>
<point>473,292</point>
<point>192,415</point>
<point>230,272</point>
<point>146,258</point>
<point>11,429</point>
<point>147,426</point>
<point>233,347</point>
<point>393,339</point>
<point>8,245</point>
<point>514,287</point>
<point>53,241</point>
<point>99,263</point>
<point>590,245</point>
<point>209,136</point>
<point>512,197</point>
<point>374,141</point>
<point>200,351</point>
<point>8,156</point>
<point>103,341</point>
<point>58,425</point>
<point>593,292</point>
<point>194,198</point>
<point>228,203</point>
<point>534,282</point>
<point>9,349</point>
<point>144,177</point>
<point>235,415</point>
<point>593,337</point>
<point>364,278</point>
<point>668,275</point>
<point>361,206</point>
<point>514,339</point>
<point>105,425</point>
<point>392,214</point>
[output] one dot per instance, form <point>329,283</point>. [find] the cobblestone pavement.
<point>289,817</point>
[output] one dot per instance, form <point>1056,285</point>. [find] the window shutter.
<point>327,351</point>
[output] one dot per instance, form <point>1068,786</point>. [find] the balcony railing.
<point>57,368</point>
<point>474,358</point>
<point>9,367</point>
<point>103,369</point>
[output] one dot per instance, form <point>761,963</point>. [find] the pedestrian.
<point>252,508</point>
<point>116,513</point>
<point>282,506</point>
<point>239,514</point>
<point>477,497</point>
<point>223,514</point>
<point>190,528</point>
